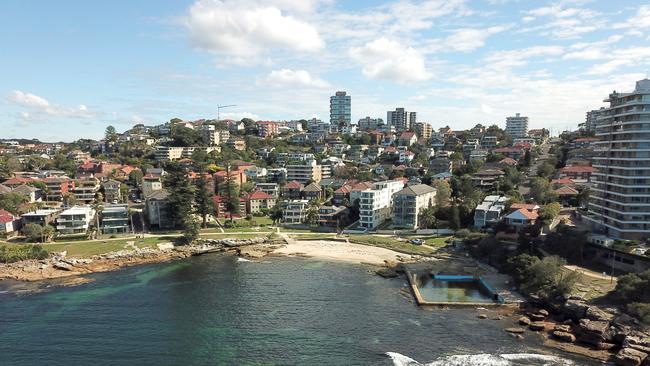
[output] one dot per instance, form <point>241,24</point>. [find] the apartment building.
<point>112,191</point>
<point>424,130</point>
<point>408,204</point>
<point>85,190</point>
<point>340,109</point>
<point>619,204</point>
<point>294,211</point>
<point>212,136</point>
<point>114,219</point>
<point>271,189</point>
<point>309,171</point>
<point>75,220</point>
<point>369,124</point>
<point>376,203</point>
<point>517,126</point>
<point>267,129</point>
<point>490,211</point>
<point>169,153</point>
<point>401,119</point>
<point>57,188</point>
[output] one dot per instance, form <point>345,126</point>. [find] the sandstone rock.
<point>593,332</point>
<point>62,266</point>
<point>515,330</point>
<point>629,357</point>
<point>482,316</point>
<point>576,309</point>
<point>562,328</point>
<point>524,320</point>
<point>595,313</point>
<point>605,346</point>
<point>536,317</point>
<point>543,312</point>
<point>387,272</point>
<point>537,326</point>
<point>564,336</point>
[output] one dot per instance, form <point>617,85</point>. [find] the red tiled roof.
<point>508,161</point>
<point>407,135</point>
<point>563,181</point>
<point>361,186</point>
<point>526,206</point>
<point>17,181</point>
<point>344,189</point>
<point>531,215</point>
<point>577,169</point>
<point>259,195</point>
<point>566,191</point>
<point>293,185</point>
<point>6,216</point>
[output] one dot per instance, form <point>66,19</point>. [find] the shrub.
<point>15,253</point>
<point>640,311</point>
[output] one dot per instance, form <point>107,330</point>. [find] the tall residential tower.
<point>619,204</point>
<point>517,126</point>
<point>340,109</point>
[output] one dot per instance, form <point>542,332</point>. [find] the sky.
<point>69,68</point>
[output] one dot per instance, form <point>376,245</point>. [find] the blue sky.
<point>70,68</point>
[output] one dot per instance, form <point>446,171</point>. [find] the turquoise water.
<point>216,310</point>
<point>453,291</point>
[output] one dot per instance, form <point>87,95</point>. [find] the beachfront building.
<point>112,191</point>
<point>490,211</point>
<point>619,203</point>
<point>41,217</point>
<point>332,216</point>
<point>517,126</point>
<point>157,210</point>
<point>258,201</point>
<point>115,219</point>
<point>57,188</point>
<point>409,202</point>
<point>294,211</point>
<point>8,222</point>
<point>85,190</point>
<point>75,220</point>
<point>376,203</point>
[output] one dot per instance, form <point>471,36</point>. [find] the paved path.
<point>588,273</point>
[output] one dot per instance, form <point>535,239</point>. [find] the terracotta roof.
<point>361,186</point>
<point>525,206</point>
<point>563,181</point>
<point>293,185</point>
<point>6,216</point>
<point>407,135</point>
<point>4,189</point>
<point>577,169</point>
<point>344,189</point>
<point>15,181</point>
<point>259,195</point>
<point>531,215</point>
<point>566,191</point>
<point>25,189</point>
<point>508,161</point>
<point>312,188</point>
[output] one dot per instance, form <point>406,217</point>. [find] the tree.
<point>546,170</point>
<point>200,160</point>
<point>183,136</point>
<point>180,199</point>
<point>454,217</point>
<point>546,278</point>
<point>33,232</point>
<point>190,230</point>
<point>135,177</point>
<point>276,213</point>
<point>203,198</point>
<point>428,218</point>
<point>110,134</point>
<point>69,199</point>
<point>549,212</point>
<point>311,218</point>
<point>443,192</point>
<point>48,233</point>
<point>542,191</point>
<point>12,202</point>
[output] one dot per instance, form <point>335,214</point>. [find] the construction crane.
<point>220,107</point>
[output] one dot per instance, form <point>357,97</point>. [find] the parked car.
<point>416,241</point>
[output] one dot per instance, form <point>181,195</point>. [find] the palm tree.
<point>428,218</point>
<point>48,233</point>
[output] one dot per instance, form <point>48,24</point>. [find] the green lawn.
<point>437,241</point>
<point>90,248</point>
<point>391,243</point>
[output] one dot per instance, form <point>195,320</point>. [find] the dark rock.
<point>564,336</point>
<point>562,328</point>
<point>575,309</point>
<point>629,357</point>
<point>524,320</point>
<point>387,272</point>
<point>537,326</point>
<point>482,316</point>
<point>543,312</point>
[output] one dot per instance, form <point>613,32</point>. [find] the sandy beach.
<point>341,251</point>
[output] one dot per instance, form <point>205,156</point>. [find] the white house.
<point>75,220</point>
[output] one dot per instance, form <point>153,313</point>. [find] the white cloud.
<point>565,22</point>
<point>387,59</point>
<point>469,39</point>
<point>248,28</point>
<point>607,67</point>
<point>237,116</point>
<point>295,78</point>
<point>41,106</point>
<point>512,58</point>
<point>641,20</point>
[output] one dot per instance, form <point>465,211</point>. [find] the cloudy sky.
<point>70,68</point>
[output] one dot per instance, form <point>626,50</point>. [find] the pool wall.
<point>412,278</point>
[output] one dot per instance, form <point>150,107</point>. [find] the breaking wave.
<point>515,359</point>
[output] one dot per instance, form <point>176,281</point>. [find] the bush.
<point>546,278</point>
<point>640,311</point>
<point>15,253</point>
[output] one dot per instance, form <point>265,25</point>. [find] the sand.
<point>341,251</point>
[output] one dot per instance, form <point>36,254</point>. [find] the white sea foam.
<point>242,260</point>
<point>515,359</point>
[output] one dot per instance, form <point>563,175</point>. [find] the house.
<point>17,181</point>
<point>41,217</point>
<point>440,165</point>
<point>258,201</point>
<point>292,190</point>
<point>407,138</point>
<point>150,184</point>
<point>294,211</point>
<point>566,194</point>
<point>508,162</point>
<point>342,195</point>
<point>157,209</point>
<point>490,211</point>
<point>312,192</point>
<point>271,189</point>
<point>406,156</point>
<point>521,217</point>
<point>8,222</point>
<point>511,152</point>
<point>333,216</point>
<point>112,191</point>
<point>487,178</point>
<point>32,194</point>
<point>75,220</point>
<point>115,219</point>
<point>578,173</point>
<point>221,207</point>
<point>409,202</point>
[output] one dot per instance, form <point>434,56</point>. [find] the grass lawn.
<point>391,243</point>
<point>437,241</point>
<point>591,287</point>
<point>95,247</point>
